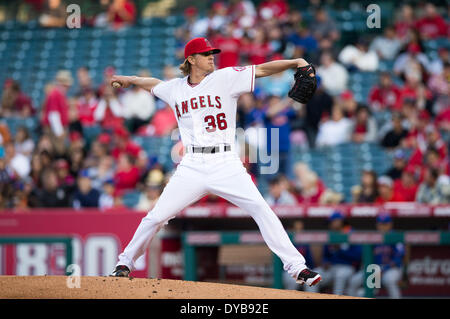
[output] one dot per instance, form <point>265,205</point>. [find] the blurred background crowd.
<point>376,131</point>
<point>76,142</point>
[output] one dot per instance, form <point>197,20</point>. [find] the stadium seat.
<point>90,133</point>
<point>130,199</point>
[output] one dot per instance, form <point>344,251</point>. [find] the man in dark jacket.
<point>319,105</point>
<point>51,195</point>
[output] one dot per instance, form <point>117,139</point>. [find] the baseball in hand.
<point>116,85</point>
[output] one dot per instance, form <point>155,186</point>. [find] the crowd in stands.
<point>60,167</point>
<point>114,14</point>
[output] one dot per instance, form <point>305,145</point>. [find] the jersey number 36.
<point>217,122</point>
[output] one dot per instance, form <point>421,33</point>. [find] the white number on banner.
<point>100,255</point>
<point>31,259</point>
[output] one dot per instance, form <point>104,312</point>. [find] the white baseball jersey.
<point>206,112</point>
<point>206,115</point>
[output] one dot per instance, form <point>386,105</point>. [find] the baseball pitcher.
<point>204,103</point>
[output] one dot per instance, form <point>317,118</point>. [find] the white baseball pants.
<point>389,279</point>
<point>224,175</point>
<point>335,275</point>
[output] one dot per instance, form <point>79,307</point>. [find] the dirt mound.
<point>52,287</point>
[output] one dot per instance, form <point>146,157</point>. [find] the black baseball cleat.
<point>309,277</point>
<point>121,271</point>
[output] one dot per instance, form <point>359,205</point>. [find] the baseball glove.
<point>305,84</point>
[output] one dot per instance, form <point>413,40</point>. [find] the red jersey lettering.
<point>184,107</point>
<point>202,101</point>
<point>219,105</point>
<point>209,101</point>
<point>194,104</point>
<point>177,111</point>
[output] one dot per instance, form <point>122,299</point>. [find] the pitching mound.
<point>52,287</point>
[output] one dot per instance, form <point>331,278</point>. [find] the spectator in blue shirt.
<point>248,113</point>
<point>278,115</point>
<point>303,38</point>
<point>390,260</point>
<point>279,84</point>
<point>85,195</point>
<point>339,261</point>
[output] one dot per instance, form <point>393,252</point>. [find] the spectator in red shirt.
<point>65,179</point>
<point>56,106</point>
<point>308,185</point>
<point>109,111</point>
<point>443,120</point>
<point>277,9</point>
<point>365,128</point>
<point>414,89</point>
<point>230,47</point>
<point>14,102</point>
<point>405,21</point>
<point>162,124</point>
<point>386,192</point>
<point>121,13</point>
<point>258,49</point>
<point>407,185</point>
<point>242,13</point>
<point>124,144</point>
<point>348,103</point>
<point>127,174</point>
<point>86,106</point>
<point>385,95</point>
<point>428,138</point>
<point>417,121</point>
<point>432,25</point>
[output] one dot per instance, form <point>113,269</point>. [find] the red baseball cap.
<point>347,95</point>
<point>199,45</point>
<point>109,70</point>
<point>104,138</point>
<point>424,115</point>
<point>413,48</point>
<point>190,11</point>
<point>121,132</point>
<point>62,163</point>
<point>410,169</point>
<point>75,136</point>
